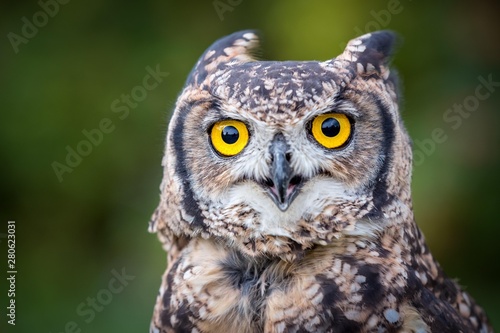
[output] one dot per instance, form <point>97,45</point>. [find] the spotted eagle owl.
<point>286,206</point>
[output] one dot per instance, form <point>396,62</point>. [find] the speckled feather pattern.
<point>347,256</point>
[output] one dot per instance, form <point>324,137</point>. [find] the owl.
<point>286,204</point>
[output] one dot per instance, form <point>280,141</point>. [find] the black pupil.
<point>230,134</point>
<point>330,127</point>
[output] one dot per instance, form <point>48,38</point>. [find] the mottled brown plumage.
<point>287,235</point>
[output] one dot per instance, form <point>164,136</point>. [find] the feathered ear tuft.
<point>238,47</point>
<point>371,53</point>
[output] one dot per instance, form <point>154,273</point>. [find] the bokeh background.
<point>72,234</point>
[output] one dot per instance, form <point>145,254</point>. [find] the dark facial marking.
<point>380,195</point>
<point>181,169</point>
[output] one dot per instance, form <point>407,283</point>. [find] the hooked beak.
<point>282,187</point>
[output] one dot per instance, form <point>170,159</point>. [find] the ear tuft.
<point>371,52</point>
<point>237,47</point>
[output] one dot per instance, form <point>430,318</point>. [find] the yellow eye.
<point>229,137</point>
<point>331,130</point>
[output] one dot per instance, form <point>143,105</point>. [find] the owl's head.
<point>274,157</point>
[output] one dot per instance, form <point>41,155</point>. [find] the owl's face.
<point>278,156</point>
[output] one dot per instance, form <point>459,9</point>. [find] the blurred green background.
<point>72,234</point>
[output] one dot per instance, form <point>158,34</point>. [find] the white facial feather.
<point>317,192</point>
